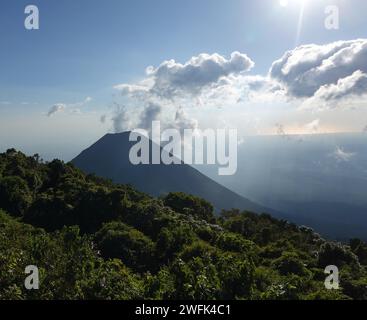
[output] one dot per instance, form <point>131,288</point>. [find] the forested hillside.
<point>92,239</point>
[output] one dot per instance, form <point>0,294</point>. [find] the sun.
<point>285,3</point>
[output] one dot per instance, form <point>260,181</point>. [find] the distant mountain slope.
<point>109,158</point>
<point>316,180</point>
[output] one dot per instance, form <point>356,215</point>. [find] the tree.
<point>15,196</point>
<point>133,248</point>
<point>337,254</point>
<point>171,240</point>
<point>190,205</point>
<point>290,263</point>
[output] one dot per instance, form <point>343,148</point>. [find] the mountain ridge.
<point>108,157</point>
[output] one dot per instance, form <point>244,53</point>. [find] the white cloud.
<point>59,107</point>
<point>149,114</point>
<point>80,104</point>
<point>23,103</point>
<point>124,120</point>
<point>183,121</point>
<point>260,89</point>
<point>172,79</point>
<point>342,156</point>
<point>139,91</point>
<point>74,107</point>
<point>353,85</point>
<point>170,88</point>
<point>121,120</point>
<point>313,126</point>
<point>329,68</point>
<point>310,76</point>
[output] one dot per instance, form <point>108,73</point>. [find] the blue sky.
<point>86,47</point>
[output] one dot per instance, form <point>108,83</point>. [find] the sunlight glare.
<point>285,3</point>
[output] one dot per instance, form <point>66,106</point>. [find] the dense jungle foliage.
<point>92,239</point>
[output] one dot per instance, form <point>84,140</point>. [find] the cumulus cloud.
<point>260,89</point>
<point>73,107</point>
<point>315,76</point>
<point>121,120</point>
<point>172,79</point>
<point>183,121</point>
<point>126,119</point>
<point>59,107</point>
<point>149,114</point>
<point>140,91</point>
<point>345,93</point>
<point>331,71</point>
<point>173,85</point>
